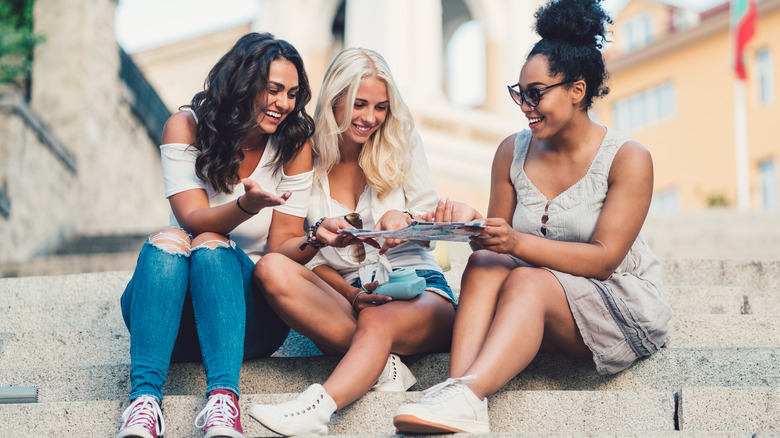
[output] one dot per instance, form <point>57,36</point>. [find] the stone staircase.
<point>719,374</point>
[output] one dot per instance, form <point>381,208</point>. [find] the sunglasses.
<point>532,96</point>
<point>357,252</point>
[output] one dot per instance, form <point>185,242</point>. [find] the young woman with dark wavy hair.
<point>237,166</point>
<point>560,265</point>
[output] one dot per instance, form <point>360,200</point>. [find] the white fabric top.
<point>418,195</point>
<point>178,163</point>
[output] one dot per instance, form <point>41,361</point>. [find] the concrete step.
<point>510,411</point>
<point>35,312</point>
<point>754,275</point>
<point>714,408</point>
<point>667,370</point>
<point>109,344</point>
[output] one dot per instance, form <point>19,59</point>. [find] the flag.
<point>743,25</point>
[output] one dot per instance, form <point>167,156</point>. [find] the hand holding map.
<point>449,231</point>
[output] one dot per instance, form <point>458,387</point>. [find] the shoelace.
<point>144,411</point>
<point>446,389</point>
<point>219,411</point>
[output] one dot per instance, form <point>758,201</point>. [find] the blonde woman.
<point>369,166</point>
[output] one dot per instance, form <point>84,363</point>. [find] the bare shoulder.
<point>301,162</point>
<point>632,158</point>
<point>180,128</point>
<point>506,149</point>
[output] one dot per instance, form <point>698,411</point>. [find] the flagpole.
<point>741,144</point>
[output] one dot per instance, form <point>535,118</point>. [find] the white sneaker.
<point>449,406</point>
<point>396,377</point>
<point>306,414</point>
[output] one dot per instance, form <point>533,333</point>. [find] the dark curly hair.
<point>573,32</point>
<point>226,109</point>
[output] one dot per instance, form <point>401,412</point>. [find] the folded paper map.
<point>450,231</point>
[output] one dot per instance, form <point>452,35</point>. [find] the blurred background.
<point>86,86</point>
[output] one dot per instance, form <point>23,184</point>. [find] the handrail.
<point>13,102</point>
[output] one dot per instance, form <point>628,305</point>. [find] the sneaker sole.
<point>281,430</point>
<point>134,433</point>
<point>405,423</point>
<point>223,432</point>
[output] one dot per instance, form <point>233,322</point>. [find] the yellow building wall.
<point>763,120</point>
<point>694,150</point>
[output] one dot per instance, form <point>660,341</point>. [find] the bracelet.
<point>311,236</point>
<point>243,209</point>
<point>362,291</point>
<point>410,214</point>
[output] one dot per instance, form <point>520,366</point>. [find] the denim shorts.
<point>434,282</point>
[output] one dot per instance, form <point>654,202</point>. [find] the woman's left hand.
<point>328,234</point>
<point>392,220</point>
<point>498,236</point>
<point>256,199</point>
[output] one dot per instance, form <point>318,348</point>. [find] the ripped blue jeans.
<point>192,306</point>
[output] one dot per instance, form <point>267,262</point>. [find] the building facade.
<point>673,88</point>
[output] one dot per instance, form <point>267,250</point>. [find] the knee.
<point>272,272</point>
<point>526,284</point>
<point>480,259</point>
<point>374,322</point>
<point>210,240</point>
<point>172,240</point>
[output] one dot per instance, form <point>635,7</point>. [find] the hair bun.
<point>578,22</point>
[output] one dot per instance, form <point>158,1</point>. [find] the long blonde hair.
<point>382,156</point>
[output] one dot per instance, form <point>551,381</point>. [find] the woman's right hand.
<point>448,210</point>
<point>364,297</point>
<point>255,198</point>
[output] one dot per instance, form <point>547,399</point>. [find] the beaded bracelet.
<point>311,236</point>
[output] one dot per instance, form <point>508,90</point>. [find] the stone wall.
<point>77,93</point>
<point>40,187</point>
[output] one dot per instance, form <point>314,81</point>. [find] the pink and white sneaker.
<point>221,417</point>
<point>142,419</point>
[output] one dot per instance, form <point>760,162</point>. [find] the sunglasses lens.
<point>516,97</point>
<point>354,219</point>
<point>532,96</point>
<point>357,252</point>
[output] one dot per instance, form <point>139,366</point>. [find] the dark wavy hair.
<point>226,109</point>
<point>573,33</point>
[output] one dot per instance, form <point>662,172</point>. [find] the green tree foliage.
<point>17,40</point>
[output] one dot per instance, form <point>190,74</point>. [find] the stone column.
<point>408,34</point>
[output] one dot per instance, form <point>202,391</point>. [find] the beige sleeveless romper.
<point>625,317</point>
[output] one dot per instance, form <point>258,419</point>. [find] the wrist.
<point>311,236</point>
<point>361,291</point>
<point>243,208</point>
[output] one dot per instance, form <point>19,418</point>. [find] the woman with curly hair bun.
<point>560,266</point>
<point>370,172</point>
<point>237,166</point>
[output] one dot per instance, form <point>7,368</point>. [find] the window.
<point>666,201</point>
<point>637,32</point>
<point>764,77</point>
<point>767,177</point>
<point>646,108</point>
